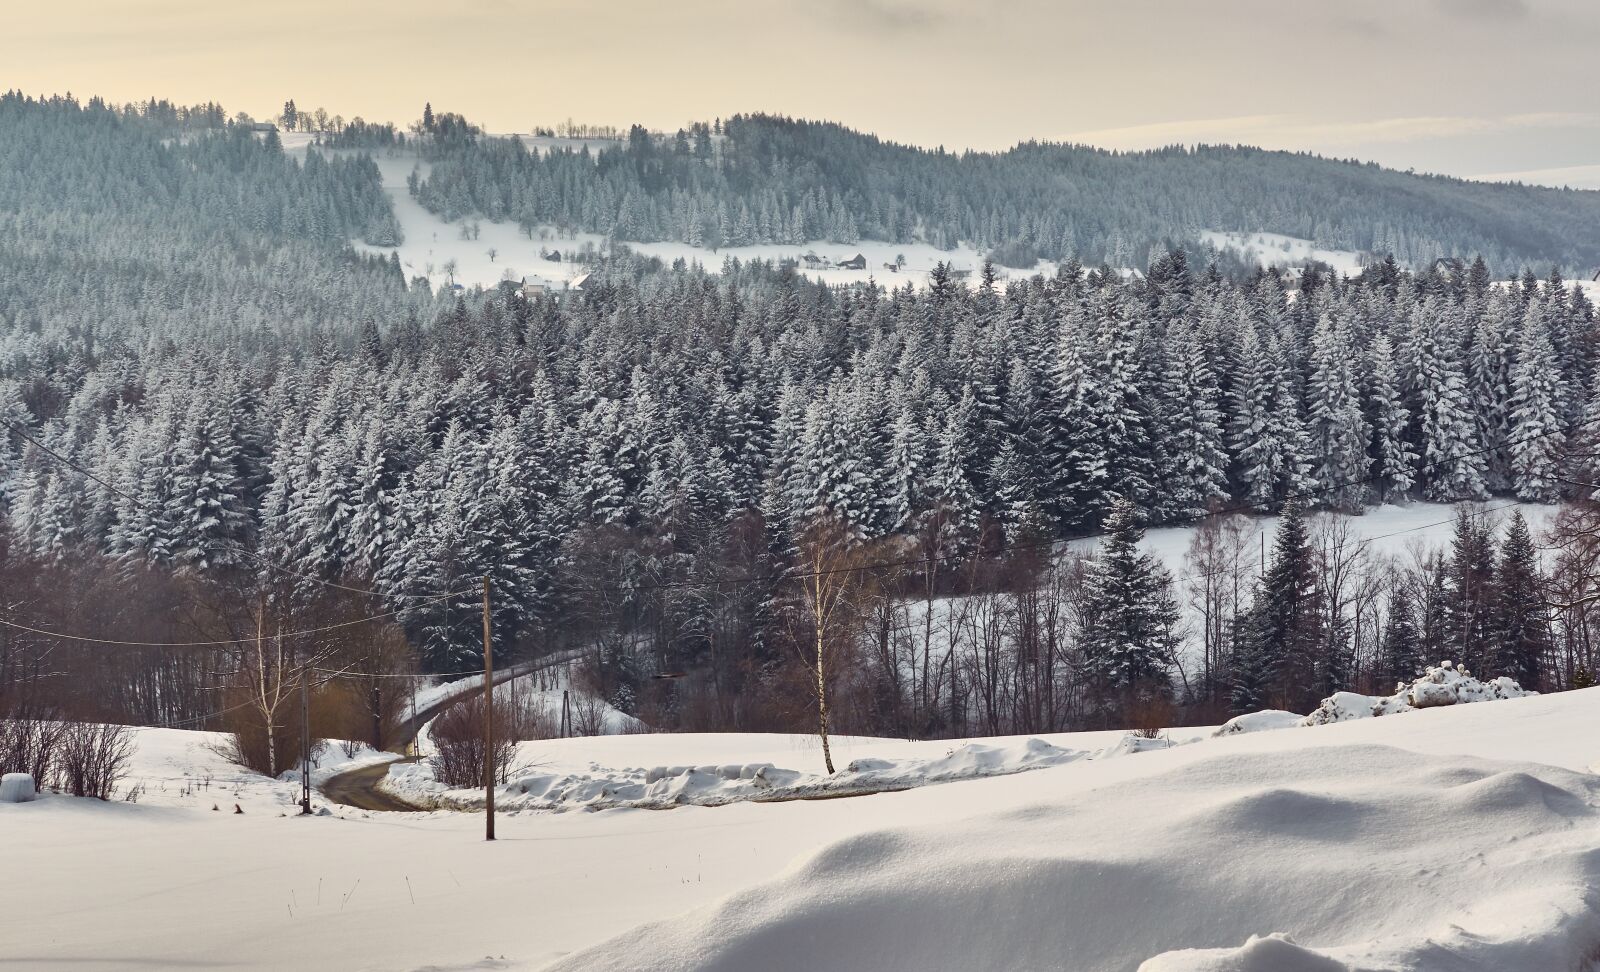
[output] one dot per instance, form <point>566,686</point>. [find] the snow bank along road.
<point>359,788</point>
<point>1459,838</point>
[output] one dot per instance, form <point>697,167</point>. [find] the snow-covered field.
<point>1390,843</point>
<point>1388,531</point>
<point>189,769</point>
<point>1275,249</point>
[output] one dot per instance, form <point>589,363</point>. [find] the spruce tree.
<point>1291,623</point>
<point>1130,614</point>
<point>1537,437</point>
<point>1400,654</point>
<point>1522,633</point>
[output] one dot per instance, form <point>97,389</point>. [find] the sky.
<point>1465,87</point>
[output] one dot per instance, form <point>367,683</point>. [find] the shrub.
<point>28,744</point>
<point>458,738</point>
<point>93,758</point>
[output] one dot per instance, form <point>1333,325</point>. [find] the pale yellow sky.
<point>1463,86</point>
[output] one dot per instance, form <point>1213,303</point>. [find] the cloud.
<point>892,16</point>
<point>1485,9</point>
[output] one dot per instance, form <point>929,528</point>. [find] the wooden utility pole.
<point>488,720</point>
<point>305,746</point>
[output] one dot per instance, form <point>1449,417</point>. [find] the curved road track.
<point>359,787</point>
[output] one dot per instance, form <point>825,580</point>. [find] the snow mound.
<point>16,788</point>
<point>1485,866</point>
<point>1444,684</point>
<point>1266,720</point>
<point>1272,953</point>
<point>1132,743</point>
<point>661,787</point>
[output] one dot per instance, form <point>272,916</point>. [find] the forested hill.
<point>764,179</point>
<point>158,223</point>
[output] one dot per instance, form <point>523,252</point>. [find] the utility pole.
<point>305,746</point>
<point>488,719</point>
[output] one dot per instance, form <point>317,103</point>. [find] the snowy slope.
<point>1275,249</point>
<point>1371,856</point>
<point>1327,834</point>
<point>431,242</point>
<point>189,769</point>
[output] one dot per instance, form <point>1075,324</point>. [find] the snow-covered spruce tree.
<point>1395,460</point>
<point>1522,634</point>
<point>1290,616</point>
<point>1537,434</point>
<point>1130,614</point>
<point>1452,456</point>
<point>1123,406</point>
<point>1400,653</point>
<point>1250,662</point>
<point>1195,464</point>
<point>1267,435</point>
<point>951,484</point>
<point>210,498</point>
<point>1489,382</point>
<point>1074,450</point>
<point>1338,430</point>
<point>1469,596</point>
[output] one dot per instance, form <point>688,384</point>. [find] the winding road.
<point>359,787</point>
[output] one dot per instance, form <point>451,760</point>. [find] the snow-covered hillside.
<point>1275,249</point>
<point>1381,843</point>
<point>431,243</point>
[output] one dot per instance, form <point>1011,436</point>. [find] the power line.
<point>204,644</point>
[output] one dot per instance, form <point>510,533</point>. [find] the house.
<point>857,262</point>
<point>263,127</point>
<point>814,262</point>
<point>535,287</point>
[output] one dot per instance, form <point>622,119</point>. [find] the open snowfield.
<point>1389,843</point>
<point>1276,249</point>
<point>1389,531</point>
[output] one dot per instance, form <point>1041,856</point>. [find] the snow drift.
<point>1485,866</point>
<point>711,785</point>
<point>1444,684</point>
